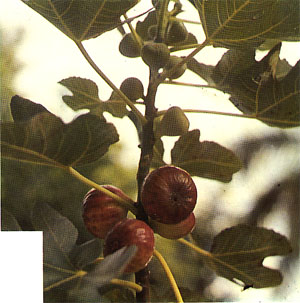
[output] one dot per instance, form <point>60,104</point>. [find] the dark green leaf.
<point>245,23</point>
<point>238,253</point>
<point>158,154</point>
<point>85,96</point>
<point>202,70</point>
<point>143,26</point>
<point>45,139</point>
<point>9,222</point>
<point>204,159</point>
<point>81,20</point>
<point>85,93</point>
<point>59,236</point>
<point>84,254</point>
<point>23,109</point>
<point>269,89</point>
<point>109,268</point>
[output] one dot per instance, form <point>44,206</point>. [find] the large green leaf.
<point>237,253</point>
<point>268,90</point>
<point>247,23</point>
<point>82,20</point>
<point>59,238</point>
<point>9,222</point>
<point>61,255</point>
<point>23,109</point>
<point>45,139</point>
<point>85,96</point>
<point>204,159</point>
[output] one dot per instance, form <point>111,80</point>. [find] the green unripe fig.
<point>176,33</point>
<point>178,72</point>
<point>155,55</point>
<point>173,123</point>
<point>152,32</point>
<point>133,88</point>
<point>128,46</point>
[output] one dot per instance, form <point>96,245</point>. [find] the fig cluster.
<point>168,196</point>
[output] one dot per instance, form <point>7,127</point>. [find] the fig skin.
<point>133,88</point>
<point>174,231</point>
<point>128,47</point>
<point>131,232</point>
<point>155,55</point>
<point>173,123</point>
<point>174,60</point>
<point>168,194</point>
<point>101,212</point>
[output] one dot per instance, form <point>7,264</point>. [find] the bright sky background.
<point>49,56</point>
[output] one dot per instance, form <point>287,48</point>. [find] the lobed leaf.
<point>204,159</point>
<point>269,89</point>
<point>82,20</point>
<point>246,23</point>
<point>85,93</point>
<point>238,252</point>
<point>45,139</point>
<point>23,109</point>
<point>86,253</point>
<point>109,268</point>
<point>59,236</point>
<point>85,96</point>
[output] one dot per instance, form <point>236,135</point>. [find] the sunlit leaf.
<point>45,139</point>
<point>112,266</point>
<point>246,23</point>
<point>204,159</point>
<point>81,20</point>
<point>9,222</point>
<point>86,253</point>
<point>238,253</point>
<point>269,89</point>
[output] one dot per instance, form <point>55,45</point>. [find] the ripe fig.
<point>133,88</point>
<point>176,33</point>
<point>155,55</point>
<point>131,232</point>
<point>173,123</point>
<point>179,71</point>
<point>168,194</point>
<point>101,212</point>
<point>174,231</point>
<point>128,46</point>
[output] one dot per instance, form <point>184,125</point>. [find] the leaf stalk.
<point>128,204</point>
<point>169,275</point>
<point>110,83</point>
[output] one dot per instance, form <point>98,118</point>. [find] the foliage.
<point>267,90</point>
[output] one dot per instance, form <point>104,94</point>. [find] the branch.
<point>168,72</point>
<point>107,80</point>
